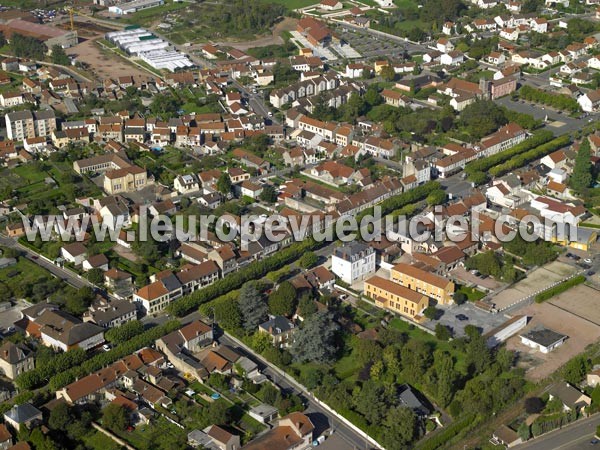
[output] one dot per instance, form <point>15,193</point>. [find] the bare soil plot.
<point>535,281</point>
<point>581,333</point>
<point>582,301</point>
<point>104,64</point>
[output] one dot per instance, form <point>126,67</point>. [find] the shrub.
<point>559,288</point>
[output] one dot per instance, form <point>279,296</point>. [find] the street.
<point>576,436</point>
<point>318,415</point>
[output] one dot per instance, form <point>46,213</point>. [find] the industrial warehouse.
<point>134,6</point>
<point>156,52</point>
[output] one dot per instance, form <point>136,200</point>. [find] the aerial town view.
<point>287,224</point>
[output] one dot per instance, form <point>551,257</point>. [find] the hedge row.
<point>253,271</point>
<point>101,360</point>
<point>448,433</point>
<point>484,164</point>
<point>559,101</point>
<point>42,373</point>
<point>531,155</point>
<point>397,202</point>
<point>259,269</point>
<point>559,288</point>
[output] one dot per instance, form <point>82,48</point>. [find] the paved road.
<point>320,417</point>
<point>573,437</point>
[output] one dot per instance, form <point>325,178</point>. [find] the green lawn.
<point>472,294</point>
<point>418,334</point>
<point>29,173</point>
<point>99,441</point>
<point>23,273</point>
<point>293,4</point>
<point>148,16</point>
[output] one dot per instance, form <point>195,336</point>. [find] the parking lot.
<point>369,46</point>
<point>483,320</point>
<point>9,316</point>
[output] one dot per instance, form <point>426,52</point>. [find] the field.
<point>293,4</point>
<point>23,273</point>
<point>150,16</point>
<point>534,282</point>
<point>102,62</point>
<point>554,315</point>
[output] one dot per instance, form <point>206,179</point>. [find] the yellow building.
<point>584,238</point>
<point>392,296</point>
<point>127,179</point>
<point>438,288</point>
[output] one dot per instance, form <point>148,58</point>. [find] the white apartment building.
<point>352,262</point>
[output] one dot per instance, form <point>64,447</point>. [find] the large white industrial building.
<point>135,6</point>
<point>153,50</point>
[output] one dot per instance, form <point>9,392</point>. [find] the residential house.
<point>15,359</point>
<point>280,329</point>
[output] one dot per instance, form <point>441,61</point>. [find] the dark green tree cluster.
<point>282,301</point>
<point>315,341</point>
<point>98,361</point>
<point>59,56</point>
<point>480,166</point>
<point>27,47</point>
<point>561,102</point>
<point>482,118</point>
<point>583,176</point>
<point>536,253</point>
<point>530,155</point>
<point>119,335</point>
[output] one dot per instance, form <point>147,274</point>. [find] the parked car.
<point>106,347</point>
<point>587,260</point>
<point>461,317</point>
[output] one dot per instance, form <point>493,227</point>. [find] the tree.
<point>315,340</point>
<point>282,301</point>
<point>460,297</point>
<point>125,332</point>
<point>524,431</point>
<point>482,118</point>
<point>268,194</point>
<point>95,276</point>
<point>59,56</point>
<point>219,412</point>
<point>582,178</point>
<point>442,332</point>
<point>366,350</point>
<point>114,417</point>
<point>27,47</point>
<point>59,417</point>
<point>402,425</point>
<point>388,73</point>
<point>308,260</point>
<point>306,306</point>
<point>252,307</point>
<point>575,370</point>
<point>534,405</point>
<point>224,184</point>
<point>227,315</point>
<point>371,402</point>
<point>437,197</point>
<point>164,105</point>
<point>431,312</point>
